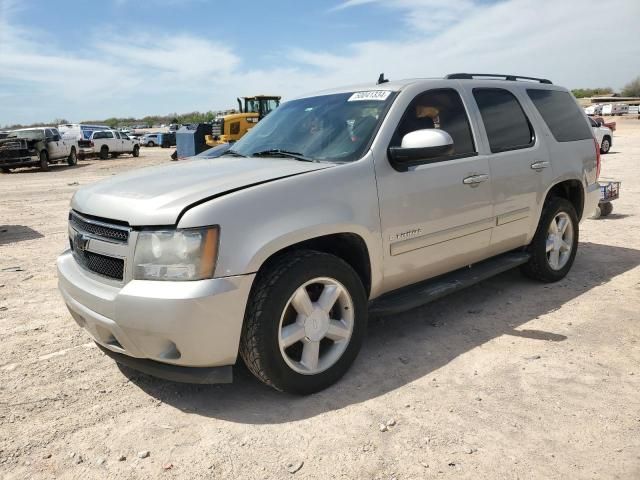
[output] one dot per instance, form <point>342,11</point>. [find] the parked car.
<point>611,109</point>
<point>593,110</point>
<point>167,140</point>
<point>602,134</point>
<point>40,147</point>
<point>149,140</point>
<point>112,142</point>
<point>601,121</point>
<point>374,199</point>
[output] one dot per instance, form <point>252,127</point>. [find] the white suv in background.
<point>105,142</point>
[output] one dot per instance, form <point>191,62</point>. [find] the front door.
<point>437,216</point>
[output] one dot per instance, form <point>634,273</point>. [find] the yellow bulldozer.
<point>230,128</point>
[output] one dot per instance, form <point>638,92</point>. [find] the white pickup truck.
<point>105,142</point>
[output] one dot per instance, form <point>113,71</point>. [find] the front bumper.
<point>187,324</point>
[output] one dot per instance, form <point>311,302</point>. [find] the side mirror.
<point>421,145</point>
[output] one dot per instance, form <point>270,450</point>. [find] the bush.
<point>632,89</point>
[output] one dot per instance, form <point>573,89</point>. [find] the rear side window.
<point>561,114</point>
<point>98,135</point>
<point>108,135</point>
<point>508,128</point>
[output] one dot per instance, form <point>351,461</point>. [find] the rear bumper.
<point>85,151</point>
<point>591,200</point>
<point>186,324</point>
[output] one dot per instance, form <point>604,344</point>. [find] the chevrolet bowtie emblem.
<point>81,242</point>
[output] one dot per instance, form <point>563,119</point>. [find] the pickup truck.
<point>105,142</point>
<point>40,146</point>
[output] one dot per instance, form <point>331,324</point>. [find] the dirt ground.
<point>508,379</point>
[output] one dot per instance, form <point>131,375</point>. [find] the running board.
<point>419,294</point>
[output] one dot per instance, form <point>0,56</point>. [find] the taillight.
<point>595,142</point>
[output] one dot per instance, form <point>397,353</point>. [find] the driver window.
<point>442,109</point>
<point>116,134</point>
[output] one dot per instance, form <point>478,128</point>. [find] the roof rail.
<point>513,78</point>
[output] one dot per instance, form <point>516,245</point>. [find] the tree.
<point>591,92</point>
<point>632,89</point>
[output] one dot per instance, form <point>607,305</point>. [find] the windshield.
<point>335,127</point>
<point>38,134</point>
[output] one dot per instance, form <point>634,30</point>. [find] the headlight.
<point>173,255</point>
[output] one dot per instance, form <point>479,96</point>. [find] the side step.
<point>419,294</point>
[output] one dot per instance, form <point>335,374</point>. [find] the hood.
<point>157,195</point>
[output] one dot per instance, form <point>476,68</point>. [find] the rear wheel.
<point>104,152</point>
<point>150,144</point>
<point>305,322</point>
<point>553,248</point>
<point>44,160</point>
<point>136,151</point>
<point>72,159</point>
<point>606,145</point>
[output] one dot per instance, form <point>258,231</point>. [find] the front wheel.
<point>305,322</point>
<point>606,145</point>
<point>136,151</point>
<point>44,161</point>
<point>553,248</point>
<point>72,159</point>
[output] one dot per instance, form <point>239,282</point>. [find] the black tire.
<point>538,266</point>
<point>151,144</point>
<point>6,170</point>
<point>104,152</point>
<point>606,145</point>
<point>272,289</point>
<point>136,151</point>
<point>606,208</point>
<point>72,159</point>
<point>44,161</point>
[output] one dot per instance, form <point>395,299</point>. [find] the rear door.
<point>518,161</point>
<point>436,216</point>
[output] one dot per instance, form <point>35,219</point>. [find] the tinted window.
<point>592,122</point>
<point>507,126</point>
<point>98,135</point>
<point>108,135</point>
<point>125,136</point>
<point>116,134</point>
<point>561,114</point>
<point>48,133</point>
<point>441,109</point>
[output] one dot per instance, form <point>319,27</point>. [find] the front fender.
<point>261,220</point>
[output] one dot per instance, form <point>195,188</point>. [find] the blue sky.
<point>95,59</point>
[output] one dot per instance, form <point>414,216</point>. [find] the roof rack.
<point>513,78</point>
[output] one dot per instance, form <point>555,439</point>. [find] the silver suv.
<point>369,199</point>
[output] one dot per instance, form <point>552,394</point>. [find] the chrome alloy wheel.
<point>559,241</point>
<point>316,326</point>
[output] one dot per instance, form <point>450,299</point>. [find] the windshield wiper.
<point>276,152</point>
<point>233,152</point>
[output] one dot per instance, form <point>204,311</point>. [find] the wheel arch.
<point>571,190</point>
<point>346,245</point>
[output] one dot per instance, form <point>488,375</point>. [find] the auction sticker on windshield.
<point>380,95</point>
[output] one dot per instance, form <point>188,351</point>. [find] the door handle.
<point>539,165</point>
<point>474,180</point>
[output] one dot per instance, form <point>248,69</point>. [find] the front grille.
<point>120,234</point>
<point>101,264</point>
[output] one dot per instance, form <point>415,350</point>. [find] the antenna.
<point>381,79</point>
